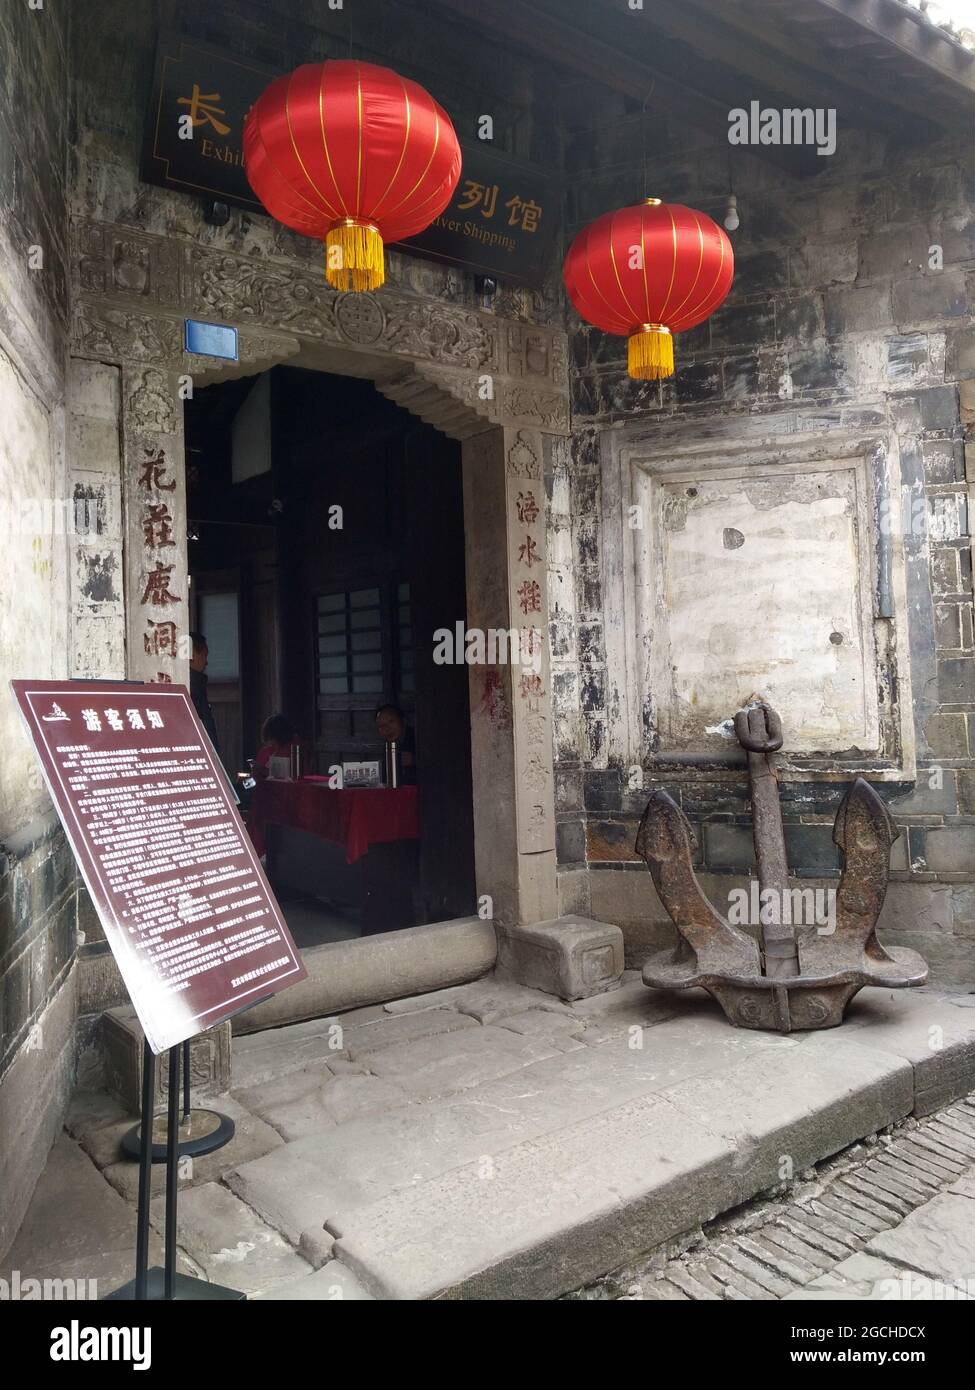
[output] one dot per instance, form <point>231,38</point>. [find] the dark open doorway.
<point>327,548</point>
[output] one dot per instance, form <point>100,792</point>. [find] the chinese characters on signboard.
<point>203,154</point>
<point>502,220</point>
<point>171,871</point>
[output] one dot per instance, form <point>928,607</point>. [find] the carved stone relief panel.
<point>119,335</point>
<point>125,265</point>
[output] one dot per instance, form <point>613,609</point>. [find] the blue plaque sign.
<point>211,339</point>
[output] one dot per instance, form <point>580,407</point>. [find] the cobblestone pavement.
<point>889,1218</point>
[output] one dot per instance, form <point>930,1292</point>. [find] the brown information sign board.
<point>172,874</point>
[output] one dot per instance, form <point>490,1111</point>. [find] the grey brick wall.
<point>36,869</point>
<point>38,897</point>
<point>38,928</point>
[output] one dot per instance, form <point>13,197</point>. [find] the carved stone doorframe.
<point>496,385</point>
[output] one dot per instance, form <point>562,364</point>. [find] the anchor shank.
<point>778,937</point>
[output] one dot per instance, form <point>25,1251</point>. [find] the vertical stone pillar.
<point>511,708</point>
<point>154,496</point>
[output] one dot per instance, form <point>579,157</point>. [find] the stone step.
<point>531,1184</point>
<point>635,1176</point>
<point>831,1237</point>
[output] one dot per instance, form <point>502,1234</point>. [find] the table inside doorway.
<point>355,818</point>
<point>355,849</point>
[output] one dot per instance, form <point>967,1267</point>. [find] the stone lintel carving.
<point>121,335</point>
<point>125,277</point>
<point>257,352</point>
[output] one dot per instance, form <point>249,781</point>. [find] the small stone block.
<point>571,957</point>
<point>121,1039</point>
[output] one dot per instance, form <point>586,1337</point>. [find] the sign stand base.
<point>163,1285</point>
<point>185,1288</point>
<point>206,1131</point>
<point>201,1131</point>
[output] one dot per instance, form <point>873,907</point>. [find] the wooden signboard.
<point>502,221</point>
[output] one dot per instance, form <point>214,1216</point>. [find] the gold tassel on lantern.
<point>354,256</point>
<point>650,352</point>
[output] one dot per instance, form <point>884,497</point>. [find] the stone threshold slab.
<point>345,975</point>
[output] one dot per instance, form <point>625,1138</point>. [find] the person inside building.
<point>392,727</point>
<point>278,738</point>
<point>198,686</point>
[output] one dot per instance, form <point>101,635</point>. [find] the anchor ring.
<point>747,729</point>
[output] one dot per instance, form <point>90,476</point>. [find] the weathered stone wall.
<point>840,326</point>
<point>37,875</point>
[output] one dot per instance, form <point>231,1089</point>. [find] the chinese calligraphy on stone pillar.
<point>531,686</point>
<point>156,558</point>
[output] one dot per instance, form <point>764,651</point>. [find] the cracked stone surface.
<point>490,1141</point>
<point>229,1242</point>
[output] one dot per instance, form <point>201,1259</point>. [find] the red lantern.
<point>647,272</point>
<point>352,153</point>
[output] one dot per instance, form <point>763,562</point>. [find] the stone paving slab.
<point>316,1247</point>
<point>785,1108</point>
<point>259,1057</point>
<point>306,1102</point>
<point>938,1040</point>
<point>228,1241</point>
<point>937,1239</point>
<point>361,1040</point>
<point>252,1138</point>
<point>307,1182</point>
<point>354,1097</point>
<point>291,1104</point>
<point>525,1223</point>
<point>334,1282</point>
<point>436,1066</point>
<point>634,1003</point>
<point>965,1186</point>
<point>565,1034</point>
<point>757,1098</point>
<point>860,1278</point>
<point>78,1227</point>
<point>483,1000</point>
<point>524,1156</point>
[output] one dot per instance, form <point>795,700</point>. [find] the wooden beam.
<point>547,37</point>
<point>920,41</point>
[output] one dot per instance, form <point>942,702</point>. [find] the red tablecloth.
<point>354,818</point>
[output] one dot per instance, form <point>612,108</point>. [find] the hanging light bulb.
<point>731,219</point>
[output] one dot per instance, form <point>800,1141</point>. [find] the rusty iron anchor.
<point>790,978</point>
